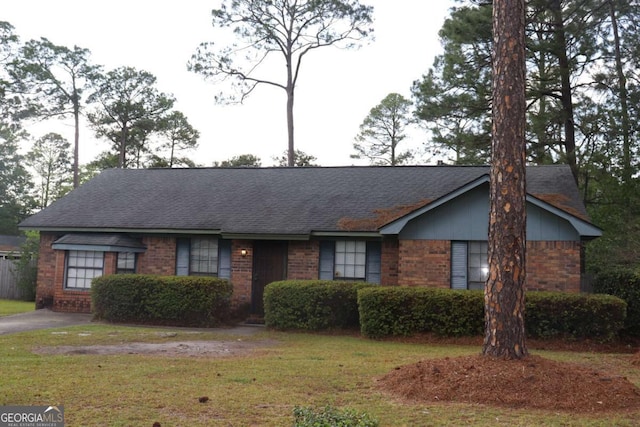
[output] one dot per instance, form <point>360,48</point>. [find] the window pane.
<point>350,259</point>
<point>204,256</point>
<point>82,266</point>
<point>477,264</point>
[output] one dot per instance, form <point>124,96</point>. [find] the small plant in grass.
<point>331,417</point>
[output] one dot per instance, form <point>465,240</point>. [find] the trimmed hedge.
<point>575,316</point>
<point>403,311</point>
<point>623,284</point>
<point>389,311</point>
<point>312,304</point>
<point>166,300</point>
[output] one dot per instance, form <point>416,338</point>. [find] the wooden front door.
<point>269,265</point>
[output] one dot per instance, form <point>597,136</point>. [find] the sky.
<point>336,90</point>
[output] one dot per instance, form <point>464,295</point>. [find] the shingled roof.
<point>276,201</point>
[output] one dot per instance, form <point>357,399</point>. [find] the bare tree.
<point>504,289</point>
<point>267,28</point>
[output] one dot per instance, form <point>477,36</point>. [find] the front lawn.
<point>9,307</point>
<point>261,386</point>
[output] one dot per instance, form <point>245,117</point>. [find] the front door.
<point>269,265</point>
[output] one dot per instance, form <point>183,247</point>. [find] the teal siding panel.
<point>182,257</point>
<point>374,263</point>
<point>327,251</point>
<point>466,218</point>
<point>224,259</point>
<point>458,265</point>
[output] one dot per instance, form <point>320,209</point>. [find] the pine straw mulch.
<point>532,383</point>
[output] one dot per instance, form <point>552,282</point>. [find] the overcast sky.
<point>335,91</point>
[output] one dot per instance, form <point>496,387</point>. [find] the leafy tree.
<point>179,135</point>
<point>382,130</point>
<point>60,77</point>
<point>266,28</point>
<point>130,106</point>
<point>300,159</point>
<point>49,158</point>
<point>454,98</point>
<point>504,289</point>
<point>243,160</point>
<point>13,105</point>
<point>26,270</point>
<point>15,185</point>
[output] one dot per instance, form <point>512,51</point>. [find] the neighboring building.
<point>10,246</point>
<point>408,225</point>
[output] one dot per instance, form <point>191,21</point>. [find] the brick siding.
<point>550,266</point>
<point>303,260</point>
<point>424,263</point>
<point>389,262</point>
<point>554,266</point>
<point>241,272</point>
<point>46,278</point>
<point>160,256</point>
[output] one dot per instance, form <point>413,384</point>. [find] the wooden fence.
<point>8,281</point>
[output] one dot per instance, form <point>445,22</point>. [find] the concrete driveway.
<point>45,318</point>
<point>41,319</point>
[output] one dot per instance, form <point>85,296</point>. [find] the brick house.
<point>411,225</point>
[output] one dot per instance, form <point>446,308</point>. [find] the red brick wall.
<point>160,256</point>
<point>553,266</point>
<point>550,266</point>
<point>303,260</point>
<point>241,272</point>
<point>424,263</point>
<point>46,279</point>
<point>389,262</point>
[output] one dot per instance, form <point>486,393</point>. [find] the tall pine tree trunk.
<point>504,289</point>
<point>566,98</point>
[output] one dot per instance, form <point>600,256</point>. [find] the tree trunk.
<point>76,146</point>
<point>290,150</point>
<point>122,155</point>
<point>504,289</point>
<point>565,87</point>
<point>290,89</point>
<point>627,169</point>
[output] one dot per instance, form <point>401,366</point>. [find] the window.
<point>203,259</point>
<point>478,264</point>
<point>203,256</point>
<point>350,260</point>
<point>469,264</point>
<point>126,263</point>
<point>82,267</point>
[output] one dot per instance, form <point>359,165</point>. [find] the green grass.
<point>9,307</point>
<point>261,388</point>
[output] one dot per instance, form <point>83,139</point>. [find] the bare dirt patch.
<point>172,349</point>
<point>534,382</point>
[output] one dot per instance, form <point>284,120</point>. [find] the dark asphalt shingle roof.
<point>271,200</point>
<point>11,242</point>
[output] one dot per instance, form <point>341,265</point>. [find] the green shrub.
<point>624,284</point>
<point>574,316</point>
<point>312,304</point>
<point>331,417</point>
<point>403,311</point>
<point>406,311</point>
<point>167,300</point>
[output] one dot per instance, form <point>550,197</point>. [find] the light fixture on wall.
<point>243,252</point>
